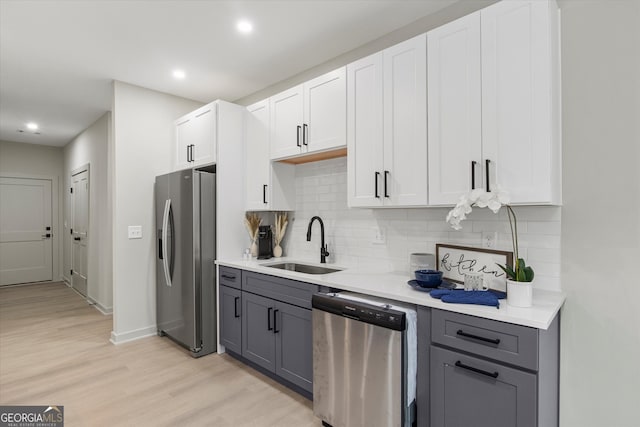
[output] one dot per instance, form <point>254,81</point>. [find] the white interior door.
<point>79,227</point>
<point>26,253</point>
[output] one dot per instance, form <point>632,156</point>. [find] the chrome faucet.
<point>324,253</point>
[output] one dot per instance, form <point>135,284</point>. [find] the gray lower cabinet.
<point>478,372</point>
<point>258,338</point>
<point>294,356</point>
<point>276,326</point>
<point>467,391</point>
<point>231,319</point>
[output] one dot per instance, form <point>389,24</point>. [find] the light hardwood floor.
<point>55,350</point>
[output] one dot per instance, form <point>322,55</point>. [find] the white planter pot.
<point>277,251</point>
<point>519,294</point>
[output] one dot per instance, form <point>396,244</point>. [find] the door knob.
<point>77,239</point>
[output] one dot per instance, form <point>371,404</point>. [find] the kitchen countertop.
<point>393,286</point>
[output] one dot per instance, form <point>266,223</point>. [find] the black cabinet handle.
<point>486,173</point>
<point>377,175</point>
<point>462,333</point>
<point>235,307</point>
<point>459,364</point>
<point>275,314</point>
<point>264,194</point>
<point>386,193</point>
<point>305,132</point>
<point>226,276</point>
<point>473,174</point>
<point>298,128</point>
<point>269,327</point>
<point>77,239</point>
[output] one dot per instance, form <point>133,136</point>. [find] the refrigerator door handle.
<point>165,231</point>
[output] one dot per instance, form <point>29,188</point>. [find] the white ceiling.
<point>58,58</point>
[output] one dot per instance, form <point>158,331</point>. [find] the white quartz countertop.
<point>393,286</point>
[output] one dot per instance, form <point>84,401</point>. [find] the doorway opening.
<point>79,229</point>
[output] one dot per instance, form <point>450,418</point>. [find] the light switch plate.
<point>135,232</point>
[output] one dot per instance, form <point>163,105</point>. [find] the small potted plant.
<point>252,222</point>
<point>519,278</point>
<point>281,222</point>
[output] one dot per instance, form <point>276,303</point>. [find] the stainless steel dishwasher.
<point>364,361</point>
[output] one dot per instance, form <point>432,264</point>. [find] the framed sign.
<point>455,261</point>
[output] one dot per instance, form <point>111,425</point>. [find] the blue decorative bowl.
<point>429,278</point>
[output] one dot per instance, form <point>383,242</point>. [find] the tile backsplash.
<point>321,189</point>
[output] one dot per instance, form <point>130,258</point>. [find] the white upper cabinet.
<point>364,131</point>
<point>520,99</point>
<point>310,117</point>
<point>286,123</point>
<point>268,186</point>
<point>454,109</point>
<point>493,104</point>
<point>387,139</point>
<point>257,155</point>
<point>405,123</point>
<point>195,138</point>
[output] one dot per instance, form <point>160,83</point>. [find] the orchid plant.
<point>493,200</point>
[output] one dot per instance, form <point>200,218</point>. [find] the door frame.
<point>56,227</point>
<point>86,167</point>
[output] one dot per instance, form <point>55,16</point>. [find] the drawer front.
<point>504,342</point>
<point>230,277</point>
<point>277,288</point>
<point>467,391</point>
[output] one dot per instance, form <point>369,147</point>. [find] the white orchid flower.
<point>494,200</point>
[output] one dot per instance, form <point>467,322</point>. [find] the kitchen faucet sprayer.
<point>324,253</point>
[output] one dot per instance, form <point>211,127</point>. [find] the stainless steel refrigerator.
<point>185,254</point>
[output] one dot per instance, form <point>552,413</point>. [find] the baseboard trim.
<point>107,311</point>
<point>120,338</point>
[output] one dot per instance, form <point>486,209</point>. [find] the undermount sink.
<point>303,268</point>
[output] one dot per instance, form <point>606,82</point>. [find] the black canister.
<point>265,242</point>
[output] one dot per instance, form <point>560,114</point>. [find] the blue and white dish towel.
<point>460,296</point>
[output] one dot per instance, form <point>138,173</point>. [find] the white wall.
<point>90,147</point>
<point>321,189</point>
<point>600,344</point>
<point>141,149</point>
<point>39,161</point>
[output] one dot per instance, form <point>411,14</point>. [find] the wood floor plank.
<point>55,349</point>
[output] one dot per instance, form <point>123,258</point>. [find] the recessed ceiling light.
<point>179,74</point>
<point>244,26</point>
<point>32,126</point>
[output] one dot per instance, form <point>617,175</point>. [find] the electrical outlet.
<point>135,232</point>
<point>489,239</point>
<point>379,236</point>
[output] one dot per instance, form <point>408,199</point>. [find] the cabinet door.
<point>204,129</point>
<point>405,123</point>
<point>519,132</point>
<point>185,137</point>
<point>286,123</point>
<point>258,341</point>
<point>230,319</point>
<point>466,391</point>
<point>294,358</point>
<point>257,156</point>
<point>364,132</point>
<point>454,116</point>
<point>325,112</point>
